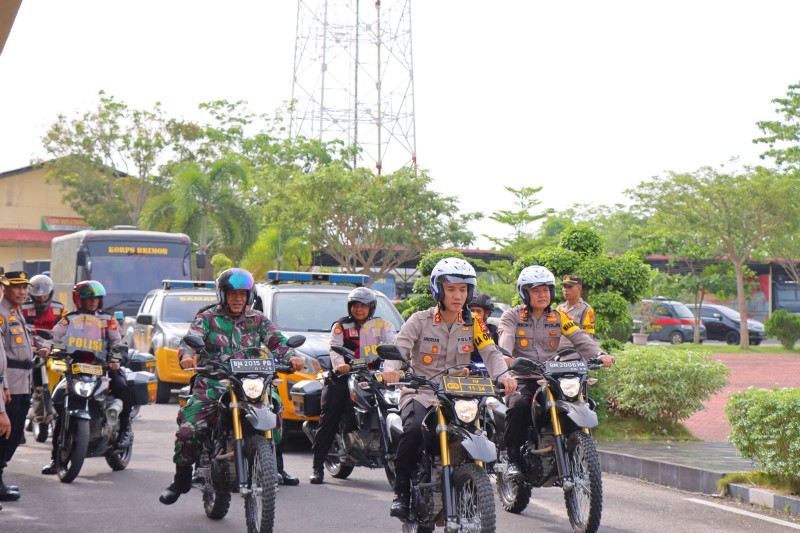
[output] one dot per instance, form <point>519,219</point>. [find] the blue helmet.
<point>235,279</point>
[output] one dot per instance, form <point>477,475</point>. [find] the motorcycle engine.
<point>353,440</point>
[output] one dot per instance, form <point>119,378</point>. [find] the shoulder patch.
<point>2,320</point>
<point>337,329</point>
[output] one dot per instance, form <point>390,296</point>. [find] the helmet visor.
<point>90,289</point>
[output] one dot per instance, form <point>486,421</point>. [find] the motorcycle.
<point>91,413</point>
<point>449,485</point>
<point>40,414</point>
<point>238,454</point>
<point>559,450</point>
<point>367,444</point>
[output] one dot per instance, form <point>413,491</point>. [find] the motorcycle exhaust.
<point>113,411</point>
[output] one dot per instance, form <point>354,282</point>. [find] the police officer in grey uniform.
<point>435,339</point>
<point>576,307</point>
<point>534,330</point>
<point>17,379</point>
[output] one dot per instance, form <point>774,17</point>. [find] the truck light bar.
<point>168,284</point>
<point>276,276</point>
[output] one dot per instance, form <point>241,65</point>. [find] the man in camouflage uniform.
<point>575,308</point>
<point>227,328</point>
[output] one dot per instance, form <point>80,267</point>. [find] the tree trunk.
<point>744,338</point>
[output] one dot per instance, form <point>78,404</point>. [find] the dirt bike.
<point>559,450</point>
<point>449,485</point>
<point>238,454</point>
<point>368,443</point>
<point>91,413</point>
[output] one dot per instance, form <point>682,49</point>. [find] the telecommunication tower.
<point>354,78</point>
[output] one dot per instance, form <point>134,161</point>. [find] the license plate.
<point>564,367</point>
<point>358,363</point>
<point>245,366</point>
<point>83,368</point>
<point>470,386</point>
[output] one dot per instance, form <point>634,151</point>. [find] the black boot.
<point>317,472</point>
<point>50,468</point>
<point>515,470</point>
<point>8,493</point>
<point>181,485</point>
<point>283,477</point>
<point>402,495</point>
<point>124,435</point>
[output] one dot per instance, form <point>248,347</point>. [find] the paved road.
<point>757,370</point>
<point>127,501</point>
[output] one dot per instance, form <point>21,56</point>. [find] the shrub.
<point>611,345</point>
<point>663,385</point>
<point>402,305</point>
<point>620,331</point>
<point>765,428</point>
<point>784,326</point>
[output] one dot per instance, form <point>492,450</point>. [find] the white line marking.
<point>745,513</point>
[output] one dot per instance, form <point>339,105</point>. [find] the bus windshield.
<point>129,271</point>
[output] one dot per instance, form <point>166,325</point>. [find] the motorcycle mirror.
<point>344,352</point>
<point>45,334</point>
<point>294,341</point>
<point>390,352</point>
<point>194,341</point>
<point>120,348</point>
<point>521,365</point>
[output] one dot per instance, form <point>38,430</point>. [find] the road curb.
<point>765,498</point>
<point>692,479</point>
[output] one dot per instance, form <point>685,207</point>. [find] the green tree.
<point>422,286</point>
<point>730,214</point>
<point>518,242</point>
<point>609,283</point>
<point>369,222</point>
<point>107,160</point>
<point>277,248</point>
<point>782,137</point>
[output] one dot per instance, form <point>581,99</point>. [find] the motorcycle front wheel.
<point>119,459</point>
<point>72,452</point>
<point>585,500</point>
<point>262,482</point>
<point>474,498</point>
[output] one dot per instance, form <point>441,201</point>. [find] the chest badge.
<point>521,333</point>
<point>427,359</point>
<point>553,343</point>
<point>523,342</point>
<point>435,348</point>
<point>466,348</point>
<point>552,333</point>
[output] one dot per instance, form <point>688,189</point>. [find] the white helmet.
<point>454,270</point>
<point>533,276</point>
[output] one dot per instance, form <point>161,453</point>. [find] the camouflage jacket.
<point>225,336</point>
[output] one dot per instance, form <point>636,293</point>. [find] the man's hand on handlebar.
<point>508,360</point>
<point>187,362</point>
<point>297,363</point>
<point>344,368</point>
<point>509,384</point>
<point>607,359</point>
<point>391,376</point>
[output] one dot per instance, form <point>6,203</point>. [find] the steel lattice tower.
<point>354,78</point>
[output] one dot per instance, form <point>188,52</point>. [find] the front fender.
<point>579,413</point>
<point>261,418</point>
<point>478,446</point>
<point>79,413</point>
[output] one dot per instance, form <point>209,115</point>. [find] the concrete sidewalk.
<point>689,466</point>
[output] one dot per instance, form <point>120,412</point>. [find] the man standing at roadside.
<point>576,307</point>
<point>17,374</point>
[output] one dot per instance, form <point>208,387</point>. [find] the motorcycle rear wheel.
<point>336,468</point>
<point>72,452</point>
<point>474,498</point>
<point>262,480</point>
<point>585,500</point>
<point>216,502</point>
<point>514,495</point>
<point>119,459</point>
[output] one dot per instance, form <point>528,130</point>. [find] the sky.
<point>584,98</point>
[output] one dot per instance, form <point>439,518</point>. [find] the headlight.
<point>253,388</point>
<point>392,396</point>
<point>466,410</point>
<point>83,388</point>
<point>571,387</point>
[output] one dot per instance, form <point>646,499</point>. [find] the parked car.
<point>161,322</point>
<point>667,321</point>
<point>306,303</point>
<point>725,324</point>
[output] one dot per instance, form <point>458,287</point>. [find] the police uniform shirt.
<point>18,347</point>
<point>362,339</point>
<point>434,346</point>
<point>109,324</point>
<point>582,314</point>
<point>2,375</point>
<point>524,335</point>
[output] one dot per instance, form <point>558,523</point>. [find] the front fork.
<point>448,492</point>
<point>560,450</point>
<point>238,442</point>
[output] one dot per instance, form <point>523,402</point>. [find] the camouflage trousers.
<point>200,413</point>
